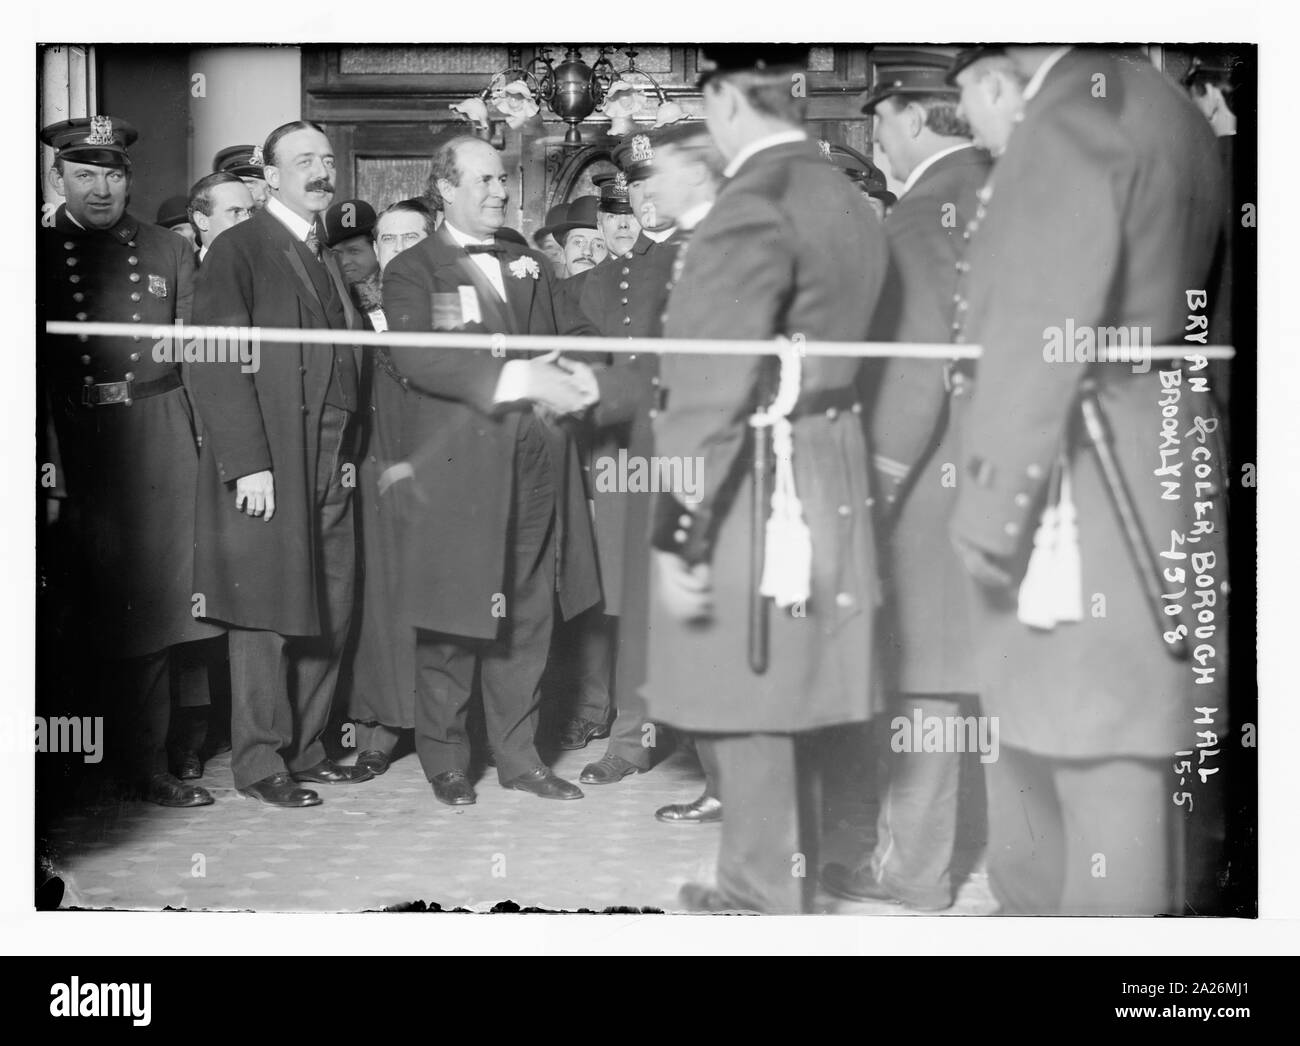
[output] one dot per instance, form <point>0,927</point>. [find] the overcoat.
<point>1104,211</point>
<point>250,572</point>
<point>128,469</point>
<point>915,424</point>
<point>789,248</point>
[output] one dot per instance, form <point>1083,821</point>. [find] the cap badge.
<point>824,147</point>
<point>101,131</point>
<point>256,159</point>
<point>157,286</point>
<point>641,151</point>
<point>620,182</point>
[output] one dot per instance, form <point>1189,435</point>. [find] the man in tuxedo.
<point>275,549</point>
<point>496,526</point>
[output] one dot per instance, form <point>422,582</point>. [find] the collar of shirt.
<point>661,234</point>
<point>768,142</point>
<point>1036,81</point>
<point>488,264</point>
<point>927,163</point>
<point>299,227</point>
<point>463,239</point>
<point>203,252</point>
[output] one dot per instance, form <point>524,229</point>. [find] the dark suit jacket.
<point>789,248</point>
<point>461,445</point>
<point>253,573</point>
<point>1105,211</point>
<point>916,431</point>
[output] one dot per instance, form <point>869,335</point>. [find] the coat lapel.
<point>458,269</point>
<point>280,247</point>
<point>519,290</point>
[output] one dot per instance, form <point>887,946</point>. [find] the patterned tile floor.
<point>387,842</point>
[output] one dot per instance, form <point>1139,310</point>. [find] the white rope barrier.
<point>501,343</point>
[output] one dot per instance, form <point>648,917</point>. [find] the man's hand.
<point>981,566</point>
<point>551,382</point>
<point>687,591</point>
<point>255,494</point>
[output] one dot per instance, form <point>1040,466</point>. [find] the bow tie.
<point>484,248</point>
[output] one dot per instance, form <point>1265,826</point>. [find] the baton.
<point>760,496</point>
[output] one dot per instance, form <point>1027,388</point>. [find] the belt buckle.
<point>107,393</point>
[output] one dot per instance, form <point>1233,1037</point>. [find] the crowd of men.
<point>443,528</point>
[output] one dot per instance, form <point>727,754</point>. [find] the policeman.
<point>125,434</point>
<point>791,251</point>
<point>625,297</point>
<point>244,161</point>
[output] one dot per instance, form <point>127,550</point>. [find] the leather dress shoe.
<point>187,766</point>
<point>578,733</point>
<point>453,788</point>
<point>696,897</point>
<point>280,790</point>
<point>704,810</point>
<point>328,772</point>
<point>859,885</point>
<point>543,783</point>
<point>607,770</point>
<point>165,790</point>
<point>376,762</point>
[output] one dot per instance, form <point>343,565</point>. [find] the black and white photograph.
<point>789,476</point>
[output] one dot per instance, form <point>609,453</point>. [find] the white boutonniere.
<point>525,266</point>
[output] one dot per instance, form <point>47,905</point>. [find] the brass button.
<point>653,412</point>
<point>135,295</point>
<point>1034,471</point>
<point>627,320</point>
<point>683,520</point>
<point>843,599</point>
<point>654,380</point>
<point>78,297</point>
<point>82,337</point>
<point>135,317</point>
<point>623,285</point>
<point>74,278</point>
<point>133,260</point>
<point>68,245</point>
<point>1021,500</point>
<point>626,270</point>
<point>134,277</point>
<point>832,413</point>
<point>81,317</point>
<point>679,536</point>
<point>131,243</point>
<point>856,408</point>
<point>85,360</point>
<point>1011,529</point>
<point>844,510</point>
<point>88,380</point>
<point>72,262</point>
<point>624,301</point>
<point>869,502</point>
<point>128,376</point>
<point>134,357</point>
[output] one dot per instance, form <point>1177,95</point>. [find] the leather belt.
<point>126,392</point>
<point>830,402</point>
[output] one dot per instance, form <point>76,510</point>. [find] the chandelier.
<point>572,90</point>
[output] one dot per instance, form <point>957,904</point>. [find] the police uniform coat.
<point>129,470</point>
<point>915,425</point>
<point>456,505</point>
<point>1104,211</point>
<point>252,573</point>
<point>789,247</point>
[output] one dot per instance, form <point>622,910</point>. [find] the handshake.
<point>556,385</point>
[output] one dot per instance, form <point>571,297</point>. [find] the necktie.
<point>313,242</point>
<point>484,248</point>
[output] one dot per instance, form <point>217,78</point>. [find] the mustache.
<point>319,185</point>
